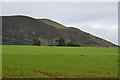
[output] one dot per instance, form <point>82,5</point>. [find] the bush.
<point>36,42</point>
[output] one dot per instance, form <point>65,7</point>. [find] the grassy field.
<point>59,62</point>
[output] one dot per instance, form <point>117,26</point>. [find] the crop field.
<point>59,62</point>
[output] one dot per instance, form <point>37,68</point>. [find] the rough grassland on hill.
<point>53,23</point>
<point>21,30</point>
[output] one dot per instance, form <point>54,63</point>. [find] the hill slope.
<point>23,29</point>
<point>53,23</point>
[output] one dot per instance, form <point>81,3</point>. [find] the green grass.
<point>53,23</point>
<point>0,61</point>
<point>65,62</point>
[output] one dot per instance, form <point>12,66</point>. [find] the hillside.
<point>52,23</point>
<point>21,30</point>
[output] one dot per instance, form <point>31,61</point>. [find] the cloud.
<point>60,0</point>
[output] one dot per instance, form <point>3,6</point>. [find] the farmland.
<point>59,62</point>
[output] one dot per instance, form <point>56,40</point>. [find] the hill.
<point>53,23</point>
<point>21,30</point>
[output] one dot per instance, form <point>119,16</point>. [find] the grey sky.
<point>98,18</point>
<point>59,0</point>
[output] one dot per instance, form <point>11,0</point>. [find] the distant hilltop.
<point>24,30</point>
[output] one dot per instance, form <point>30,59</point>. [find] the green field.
<point>59,62</point>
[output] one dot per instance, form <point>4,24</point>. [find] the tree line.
<point>58,42</point>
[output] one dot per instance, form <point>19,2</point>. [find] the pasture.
<point>59,62</point>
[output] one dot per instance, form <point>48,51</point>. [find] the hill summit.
<point>21,30</point>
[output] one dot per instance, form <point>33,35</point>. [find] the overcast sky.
<point>60,0</point>
<point>98,18</point>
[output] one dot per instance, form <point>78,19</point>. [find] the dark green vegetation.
<point>21,30</point>
<point>59,62</point>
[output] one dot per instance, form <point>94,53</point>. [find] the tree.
<point>60,42</point>
<point>36,42</point>
<point>70,43</point>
